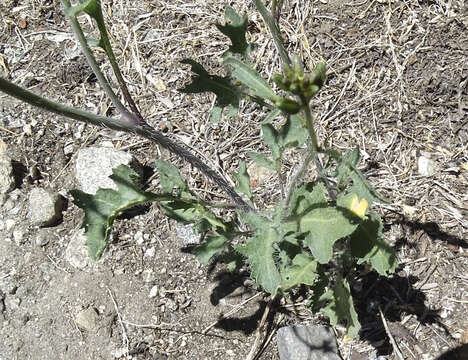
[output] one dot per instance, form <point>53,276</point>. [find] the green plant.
<point>315,235</point>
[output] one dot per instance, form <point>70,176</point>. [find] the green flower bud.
<point>289,106</point>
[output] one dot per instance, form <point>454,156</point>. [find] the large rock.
<point>94,166</point>
<point>300,342</point>
<point>45,208</point>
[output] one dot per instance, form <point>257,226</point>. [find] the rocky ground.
<point>398,88</point>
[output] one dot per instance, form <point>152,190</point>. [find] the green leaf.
<point>303,271</point>
<point>262,160</point>
<point>347,170</point>
<point>235,28</point>
<point>259,252</point>
<point>307,196</point>
<point>250,78</point>
<point>325,227</point>
<point>228,95</point>
<point>170,177</point>
<point>243,180</point>
<point>102,209</point>
<point>270,135</point>
<point>272,116</point>
<point>344,168</point>
<point>365,190</point>
<point>341,307</point>
<point>274,31</point>
<point>368,246</point>
<point>212,246</point>
<point>292,133</point>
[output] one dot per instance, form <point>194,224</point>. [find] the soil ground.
<point>398,88</point>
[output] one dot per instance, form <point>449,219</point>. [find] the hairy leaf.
<point>325,226</point>
<point>212,246</point>
<point>344,167</point>
<point>347,170</point>
<point>228,95</point>
<point>102,209</point>
<point>170,177</point>
<point>302,271</point>
<point>262,160</point>
<point>272,116</point>
<point>308,196</point>
<point>341,307</point>
<point>259,253</point>
<point>368,246</point>
<point>235,28</point>
<point>250,78</point>
<point>243,180</point>
<point>292,133</point>
<point>270,135</point>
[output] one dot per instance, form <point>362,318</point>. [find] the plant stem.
<point>123,124</point>
<point>97,71</point>
<point>115,66</point>
<point>312,151</point>
<point>274,31</point>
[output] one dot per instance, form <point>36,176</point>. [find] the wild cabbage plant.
<point>318,233</point>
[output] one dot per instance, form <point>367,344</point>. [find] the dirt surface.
<point>398,88</point>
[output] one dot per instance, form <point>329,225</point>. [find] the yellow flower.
<point>359,207</point>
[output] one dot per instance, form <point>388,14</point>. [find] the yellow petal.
<point>359,207</point>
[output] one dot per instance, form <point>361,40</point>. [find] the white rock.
<point>150,252</point>
<point>187,234</point>
<point>94,166</point>
<point>154,291</point>
<point>45,208</point>
<point>426,166</point>
<point>88,320</point>
<point>77,253</point>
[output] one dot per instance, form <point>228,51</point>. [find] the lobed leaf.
<point>368,246</point>
<point>169,177</point>
<point>250,78</point>
<point>243,180</point>
<point>303,271</point>
<point>292,133</point>
<point>102,209</point>
<point>212,246</point>
<point>341,307</point>
<point>308,196</point>
<point>262,160</point>
<point>270,136</point>
<point>325,226</point>
<point>259,254</point>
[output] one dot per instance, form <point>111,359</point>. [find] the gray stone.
<point>7,180</point>
<point>94,166</point>
<point>187,234</point>
<point>426,166</point>
<point>300,342</point>
<point>42,238</point>
<point>77,253</point>
<point>88,320</point>
<point>45,208</point>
